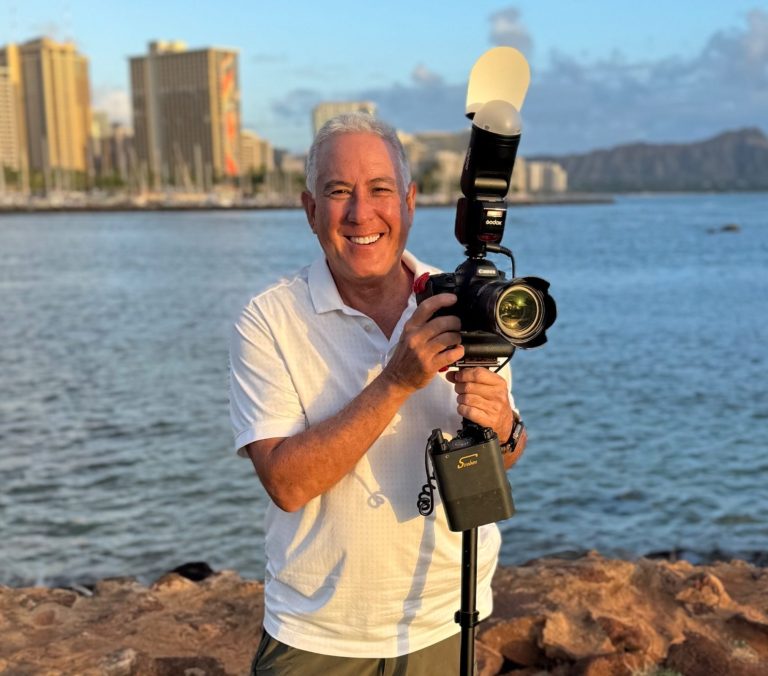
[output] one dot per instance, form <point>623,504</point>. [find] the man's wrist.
<point>518,428</point>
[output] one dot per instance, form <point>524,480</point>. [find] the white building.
<point>323,112</point>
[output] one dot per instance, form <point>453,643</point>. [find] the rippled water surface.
<point>647,410</point>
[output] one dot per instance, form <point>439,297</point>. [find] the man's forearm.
<point>301,467</point>
<point>296,469</point>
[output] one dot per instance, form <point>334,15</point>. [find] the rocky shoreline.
<point>589,616</point>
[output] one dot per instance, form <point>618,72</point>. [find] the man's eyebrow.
<point>336,184</point>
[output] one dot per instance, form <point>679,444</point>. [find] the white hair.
<point>349,123</point>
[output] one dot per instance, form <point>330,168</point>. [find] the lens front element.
<point>519,312</point>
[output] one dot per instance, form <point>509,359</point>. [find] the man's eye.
<point>382,189</point>
<point>339,192</point>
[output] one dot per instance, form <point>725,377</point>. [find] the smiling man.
<point>335,385</point>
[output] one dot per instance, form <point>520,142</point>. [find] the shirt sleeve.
<point>263,399</point>
<point>506,373</point>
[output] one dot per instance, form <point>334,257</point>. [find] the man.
<point>336,385</point>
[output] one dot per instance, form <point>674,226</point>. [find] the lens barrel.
<point>519,310</point>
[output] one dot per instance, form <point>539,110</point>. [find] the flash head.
<point>490,158</point>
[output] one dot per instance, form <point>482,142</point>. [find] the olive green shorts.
<point>277,659</point>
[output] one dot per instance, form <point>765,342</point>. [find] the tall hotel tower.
<point>48,90</point>
<point>186,114</point>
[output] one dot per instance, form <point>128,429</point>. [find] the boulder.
<point>589,616</point>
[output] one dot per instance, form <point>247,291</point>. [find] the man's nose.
<point>359,208</point>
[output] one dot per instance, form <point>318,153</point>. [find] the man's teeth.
<point>364,240</point>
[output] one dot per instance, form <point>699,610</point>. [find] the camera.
<point>497,315</point>
<point>518,311</point>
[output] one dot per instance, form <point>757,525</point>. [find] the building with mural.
<point>186,115</point>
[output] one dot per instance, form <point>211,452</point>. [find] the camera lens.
<point>519,312</point>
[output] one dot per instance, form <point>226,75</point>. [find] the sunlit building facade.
<point>256,153</point>
<point>57,105</point>
<point>46,86</point>
<point>186,113</point>
<point>10,139</point>
<point>323,112</point>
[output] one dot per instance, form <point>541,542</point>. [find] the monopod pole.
<point>467,616</point>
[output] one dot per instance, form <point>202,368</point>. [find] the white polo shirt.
<point>357,572</point>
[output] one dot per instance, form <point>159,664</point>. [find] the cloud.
<point>421,75</point>
<point>297,105</point>
<point>115,102</point>
<point>508,30</point>
<point>576,105</point>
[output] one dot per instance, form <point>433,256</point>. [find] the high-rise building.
<point>10,141</point>
<point>546,177</point>
<point>13,135</point>
<point>519,180</point>
<point>121,152</point>
<point>56,104</point>
<point>323,112</point>
<point>186,113</point>
<point>101,132</point>
<point>256,153</point>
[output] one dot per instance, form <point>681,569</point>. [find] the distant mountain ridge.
<point>733,160</point>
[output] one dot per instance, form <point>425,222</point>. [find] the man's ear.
<point>410,198</point>
<point>309,204</point>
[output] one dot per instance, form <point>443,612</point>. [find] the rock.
<point>175,627</point>
<point>116,585</point>
<point>698,655</point>
<point>728,227</point>
<point>173,582</point>
<point>573,638</point>
<point>618,664</point>
<point>489,662</point>
<point>125,662</point>
<point>625,638</point>
<point>188,666</point>
<point>703,592</point>
<point>748,633</point>
<point>587,616</point>
<point>517,640</point>
<point>196,571</point>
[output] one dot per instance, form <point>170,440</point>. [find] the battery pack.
<point>473,485</point>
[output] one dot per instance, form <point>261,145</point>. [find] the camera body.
<point>496,315</point>
<point>475,282</point>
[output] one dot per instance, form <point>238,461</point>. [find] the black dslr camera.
<point>497,315</point>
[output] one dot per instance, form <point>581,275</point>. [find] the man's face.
<point>360,212</point>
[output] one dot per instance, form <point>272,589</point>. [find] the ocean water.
<point>647,410</point>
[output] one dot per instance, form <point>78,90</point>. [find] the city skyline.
<point>602,75</point>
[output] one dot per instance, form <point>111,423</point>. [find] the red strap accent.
<point>420,283</point>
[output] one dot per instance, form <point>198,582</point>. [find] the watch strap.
<point>510,446</point>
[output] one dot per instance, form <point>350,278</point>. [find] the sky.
<point>603,73</point>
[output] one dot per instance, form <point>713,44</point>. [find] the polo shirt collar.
<point>322,287</point>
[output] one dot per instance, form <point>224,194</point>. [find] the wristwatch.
<point>510,446</point>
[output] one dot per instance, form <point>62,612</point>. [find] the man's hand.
<point>483,398</point>
<point>426,345</point>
